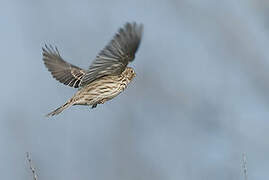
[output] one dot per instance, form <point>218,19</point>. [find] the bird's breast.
<point>104,88</point>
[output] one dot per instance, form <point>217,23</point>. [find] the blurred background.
<point>200,98</point>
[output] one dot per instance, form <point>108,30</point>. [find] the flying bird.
<point>107,76</point>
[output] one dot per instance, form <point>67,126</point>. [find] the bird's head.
<point>129,73</point>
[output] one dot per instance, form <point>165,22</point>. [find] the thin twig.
<point>32,168</point>
<point>244,166</point>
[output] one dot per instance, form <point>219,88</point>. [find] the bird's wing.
<point>113,59</point>
<point>61,70</point>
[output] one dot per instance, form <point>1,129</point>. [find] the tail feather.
<point>60,109</point>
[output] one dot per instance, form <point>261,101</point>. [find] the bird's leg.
<point>94,106</point>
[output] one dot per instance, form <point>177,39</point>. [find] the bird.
<point>107,76</point>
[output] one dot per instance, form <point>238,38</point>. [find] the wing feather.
<point>61,70</point>
<point>114,58</point>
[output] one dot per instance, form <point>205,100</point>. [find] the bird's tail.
<point>61,108</point>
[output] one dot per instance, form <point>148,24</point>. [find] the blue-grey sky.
<point>199,100</point>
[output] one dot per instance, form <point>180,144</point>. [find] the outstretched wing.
<point>113,59</point>
<point>61,70</point>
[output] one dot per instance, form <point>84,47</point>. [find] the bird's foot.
<point>94,106</point>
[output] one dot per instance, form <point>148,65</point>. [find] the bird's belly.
<point>106,96</point>
<point>98,95</point>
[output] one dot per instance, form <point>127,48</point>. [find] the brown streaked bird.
<point>106,77</point>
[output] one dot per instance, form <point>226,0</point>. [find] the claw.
<point>94,106</point>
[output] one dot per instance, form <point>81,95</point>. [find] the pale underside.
<point>98,93</point>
